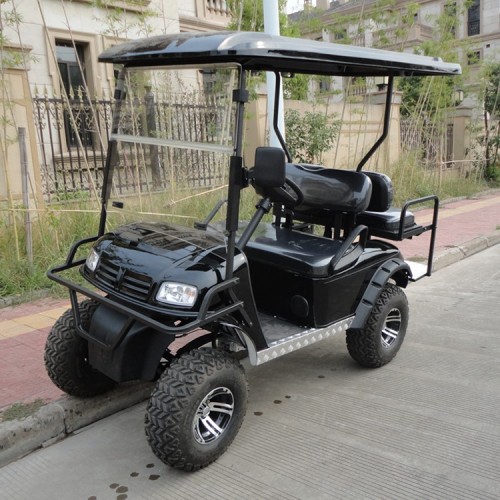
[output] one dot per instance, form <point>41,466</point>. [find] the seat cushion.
<point>386,221</point>
<point>295,251</point>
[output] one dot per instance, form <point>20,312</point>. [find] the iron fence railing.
<point>73,137</point>
<point>434,143</point>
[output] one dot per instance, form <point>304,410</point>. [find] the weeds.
<point>19,411</point>
<point>412,180</point>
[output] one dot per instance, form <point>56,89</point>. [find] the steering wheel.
<point>290,193</point>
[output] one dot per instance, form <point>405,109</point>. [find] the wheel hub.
<point>213,415</point>
<point>391,328</point>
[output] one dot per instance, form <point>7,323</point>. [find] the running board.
<point>298,341</point>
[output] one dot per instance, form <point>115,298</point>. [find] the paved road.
<point>425,426</point>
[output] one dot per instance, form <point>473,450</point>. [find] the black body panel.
<point>135,357</point>
<point>136,258</point>
<point>308,299</point>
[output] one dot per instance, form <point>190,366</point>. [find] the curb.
<point>14,300</point>
<point>455,254</point>
<point>57,420</point>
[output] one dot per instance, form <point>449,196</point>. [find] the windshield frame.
<point>115,137</point>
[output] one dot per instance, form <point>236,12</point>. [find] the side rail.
<point>429,227</point>
<point>205,314</point>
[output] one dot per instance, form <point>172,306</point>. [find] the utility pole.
<point>272,27</point>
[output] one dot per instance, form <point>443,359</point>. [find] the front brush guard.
<point>203,317</point>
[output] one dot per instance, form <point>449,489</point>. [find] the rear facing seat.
<point>328,190</point>
<point>382,219</point>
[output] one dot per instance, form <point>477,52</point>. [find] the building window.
<point>325,84</point>
<point>474,19</point>
<point>473,57</point>
<point>340,35</point>
<point>71,63</point>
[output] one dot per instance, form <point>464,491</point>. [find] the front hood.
<point>169,241</point>
<point>136,258</point>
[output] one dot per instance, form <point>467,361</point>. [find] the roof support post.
<point>387,122</point>
<point>112,154</point>
<point>237,177</point>
<point>272,27</point>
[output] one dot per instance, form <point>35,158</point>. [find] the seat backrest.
<point>328,190</point>
<point>382,192</point>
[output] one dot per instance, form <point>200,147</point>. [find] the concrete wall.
<point>15,106</point>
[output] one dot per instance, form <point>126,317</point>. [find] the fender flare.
<point>393,268</point>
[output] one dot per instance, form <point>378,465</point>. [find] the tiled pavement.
<point>24,328</point>
<point>23,331</point>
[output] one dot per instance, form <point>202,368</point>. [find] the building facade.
<point>404,25</point>
<point>471,30</point>
<point>56,90</point>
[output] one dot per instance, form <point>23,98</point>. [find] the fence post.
<point>154,158</point>
<point>26,197</point>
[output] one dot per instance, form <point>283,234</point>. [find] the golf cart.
<point>183,305</point>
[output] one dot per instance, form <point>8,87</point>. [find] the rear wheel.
<point>66,356</point>
<point>196,409</point>
<point>385,329</point>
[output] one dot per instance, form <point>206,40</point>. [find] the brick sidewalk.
<point>23,332</point>
<point>458,222</point>
<point>24,328</point>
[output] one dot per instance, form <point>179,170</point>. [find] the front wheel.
<point>66,356</point>
<point>196,409</point>
<point>379,341</point>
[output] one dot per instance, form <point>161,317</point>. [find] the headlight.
<point>92,260</point>
<point>177,294</point>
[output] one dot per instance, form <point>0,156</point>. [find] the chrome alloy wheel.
<point>213,415</point>
<point>391,328</point>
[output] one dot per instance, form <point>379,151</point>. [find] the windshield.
<point>174,139</point>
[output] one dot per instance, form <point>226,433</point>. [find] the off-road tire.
<point>66,356</point>
<point>369,346</point>
<point>176,406</point>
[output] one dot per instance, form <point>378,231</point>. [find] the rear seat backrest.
<point>328,190</point>
<point>382,192</point>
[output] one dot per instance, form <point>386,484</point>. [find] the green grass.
<point>19,411</point>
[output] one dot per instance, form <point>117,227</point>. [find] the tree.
<point>490,96</point>
<point>310,135</point>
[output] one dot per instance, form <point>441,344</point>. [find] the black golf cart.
<point>184,304</point>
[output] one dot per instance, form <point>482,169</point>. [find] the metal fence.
<point>73,137</point>
<point>434,144</point>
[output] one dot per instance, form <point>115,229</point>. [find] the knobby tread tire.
<point>66,356</point>
<point>365,346</point>
<point>177,395</point>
